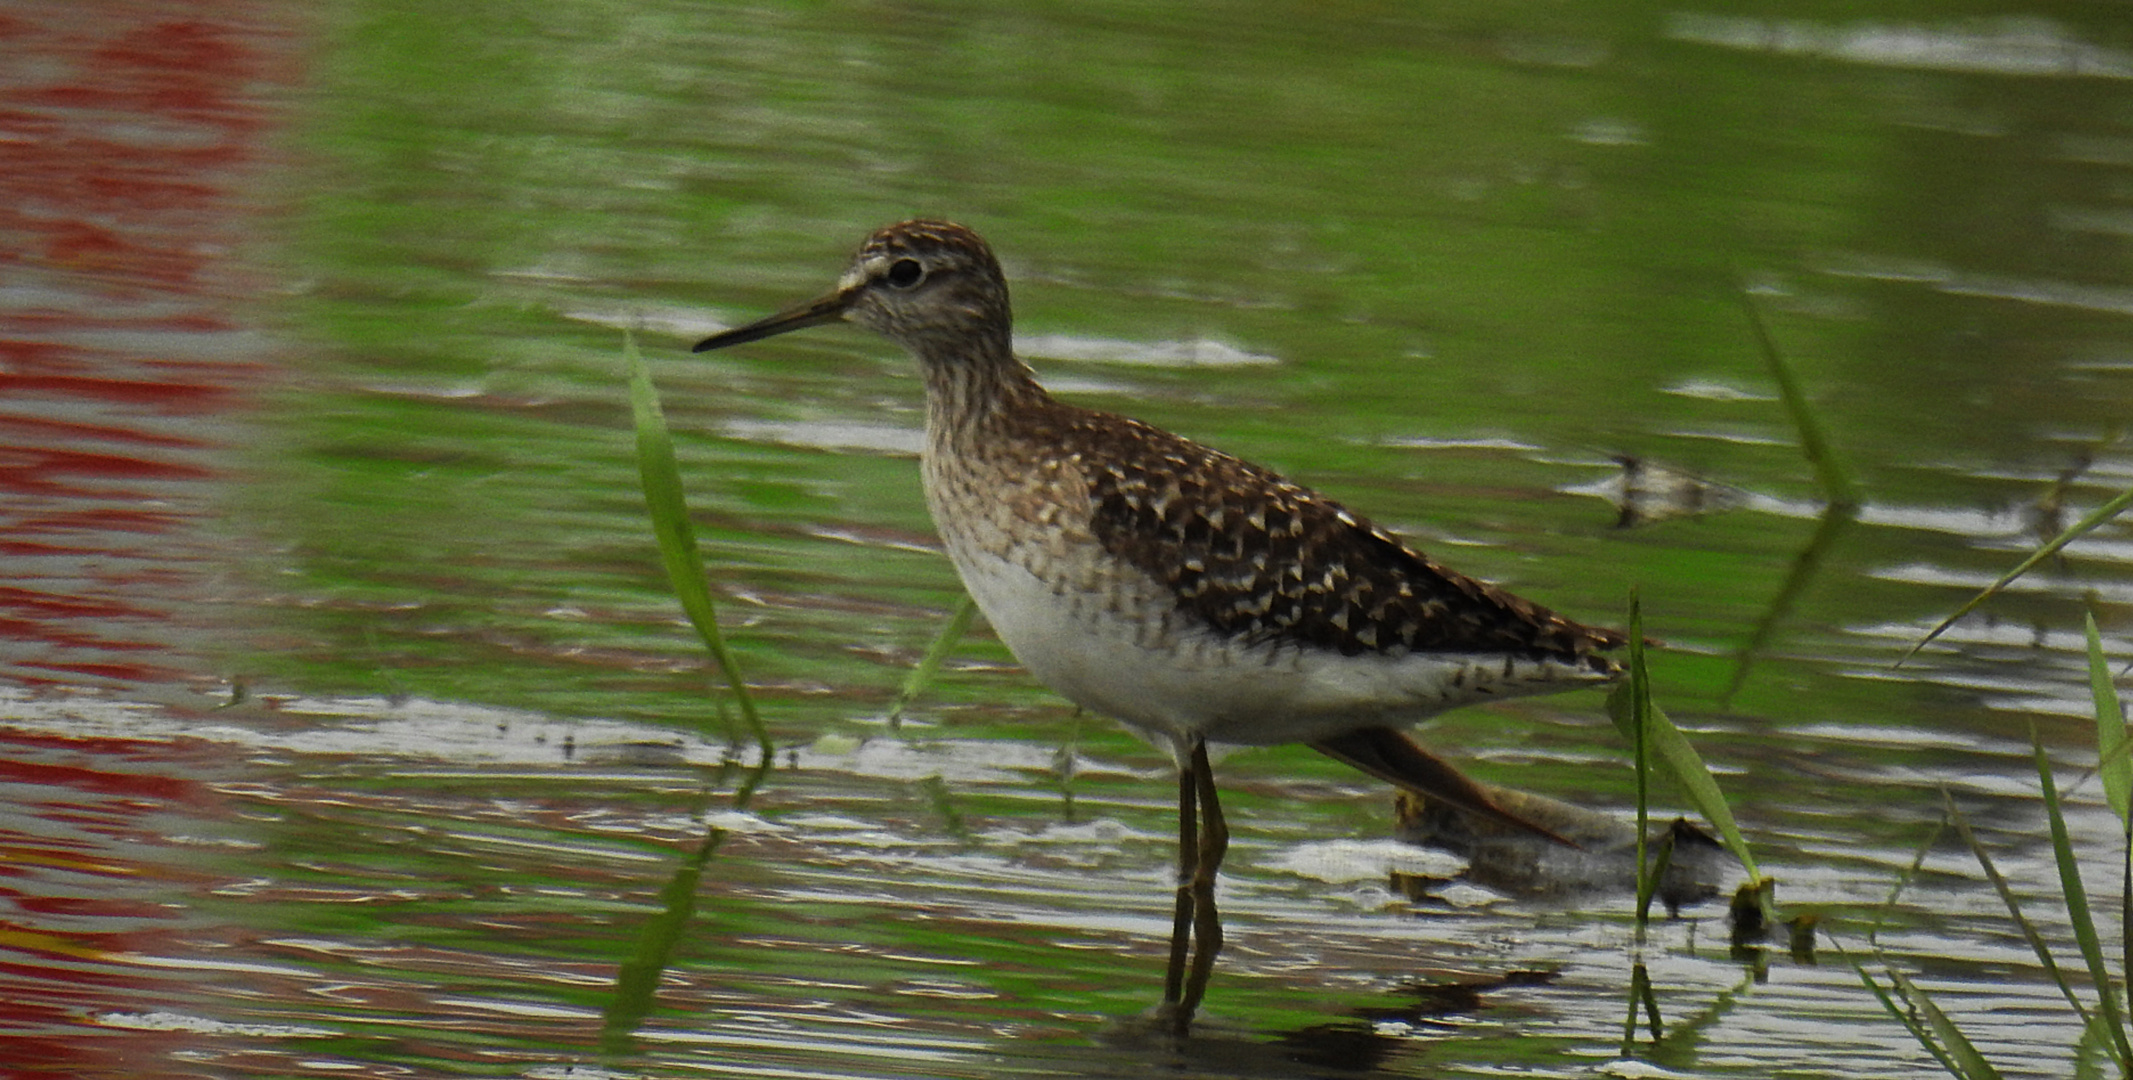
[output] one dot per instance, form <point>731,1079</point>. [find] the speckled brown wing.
<point>1263,560</point>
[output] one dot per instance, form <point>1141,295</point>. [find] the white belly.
<point>1125,651</point>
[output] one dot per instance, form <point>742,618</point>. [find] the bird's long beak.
<point>813,313</point>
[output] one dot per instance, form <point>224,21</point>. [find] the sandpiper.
<point>1190,595</point>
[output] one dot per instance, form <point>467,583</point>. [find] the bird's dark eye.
<point>904,273</point>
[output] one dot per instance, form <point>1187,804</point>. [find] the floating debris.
<point>1646,492</point>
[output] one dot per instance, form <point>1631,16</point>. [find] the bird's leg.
<point>1188,859</point>
<point>1206,921</point>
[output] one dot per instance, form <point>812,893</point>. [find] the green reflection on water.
<point>1448,224</point>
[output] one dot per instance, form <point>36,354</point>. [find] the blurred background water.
<point>349,728</point>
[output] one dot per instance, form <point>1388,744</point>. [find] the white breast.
<point>1125,651</point>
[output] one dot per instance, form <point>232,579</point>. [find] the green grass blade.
<point>2111,760</point>
<point>2075,894</point>
<point>1905,1013</point>
<point>2073,532</point>
<point>1903,880</point>
<point>2125,911</point>
<point>929,665</point>
<point>1639,707</point>
<point>1640,711</point>
<point>1840,487</point>
<point>2116,770</point>
<point>1645,724</point>
<point>1641,996</point>
<point>677,539</point>
<point>1650,998</point>
<point>1647,889</point>
<point>638,976</point>
<point>1924,1020</point>
<point>2014,909</point>
<point>1688,769</point>
<point>1968,1063</point>
<point>1805,575</point>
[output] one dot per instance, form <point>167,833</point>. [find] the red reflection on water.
<point>133,134</point>
<point>87,875</point>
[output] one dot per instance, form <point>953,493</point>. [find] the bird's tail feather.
<point>1391,756</point>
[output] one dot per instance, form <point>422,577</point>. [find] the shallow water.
<point>350,729</point>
